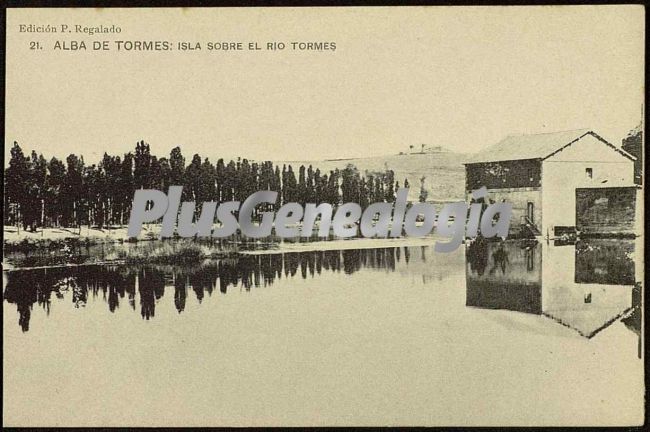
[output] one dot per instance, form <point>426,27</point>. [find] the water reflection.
<point>586,286</point>
<point>119,284</point>
<point>504,276</point>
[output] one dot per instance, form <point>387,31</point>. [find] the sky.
<point>462,78</point>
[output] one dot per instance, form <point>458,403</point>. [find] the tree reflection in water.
<point>119,283</point>
<point>586,286</point>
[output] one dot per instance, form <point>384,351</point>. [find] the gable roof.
<point>537,146</point>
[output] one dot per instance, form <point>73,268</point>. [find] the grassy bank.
<point>172,251</point>
<point>60,246</point>
<point>91,235</point>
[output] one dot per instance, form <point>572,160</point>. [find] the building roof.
<point>537,146</point>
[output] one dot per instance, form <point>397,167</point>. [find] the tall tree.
<point>389,186</point>
<point>73,191</point>
<point>207,185</point>
<point>127,186</point>
<point>110,167</point>
<point>350,184</point>
<point>165,174</point>
<point>424,193</point>
<point>37,189</point>
<point>193,178</point>
<point>177,165</point>
<point>16,183</point>
<point>55,204</point>
<point>220,174</point>
<point>93,196</point>
<point>142,167</point>
<point>302,186</point>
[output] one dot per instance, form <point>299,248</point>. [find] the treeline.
<point>55,193</point>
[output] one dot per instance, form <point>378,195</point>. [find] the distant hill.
<point>444,171</point>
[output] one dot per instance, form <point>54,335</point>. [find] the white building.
<point>539,175</point>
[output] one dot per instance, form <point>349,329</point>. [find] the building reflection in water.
<point>586,286</point>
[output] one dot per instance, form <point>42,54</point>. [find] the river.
<point>513,333</point>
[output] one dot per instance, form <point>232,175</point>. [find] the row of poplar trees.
<point>70,193</point>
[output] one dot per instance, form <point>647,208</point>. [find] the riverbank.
<point>60,247</point>
<point>347,244</point>
<point>53,247</point>
<point>14,236</point>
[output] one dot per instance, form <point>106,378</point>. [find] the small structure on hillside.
<point>425,149</point>
<point>542,175</point>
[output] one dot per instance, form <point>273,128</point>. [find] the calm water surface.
<point>370,336</point>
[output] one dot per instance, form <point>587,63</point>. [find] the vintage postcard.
<point>332,216</point>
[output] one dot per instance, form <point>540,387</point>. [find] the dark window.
<point>589,172</point>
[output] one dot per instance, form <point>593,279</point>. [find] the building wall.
<point>565,171</point>
<point>519,198</point>
<point>503,174</point>
<point>606,210</point>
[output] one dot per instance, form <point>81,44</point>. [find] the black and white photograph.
<point>324,216</point>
